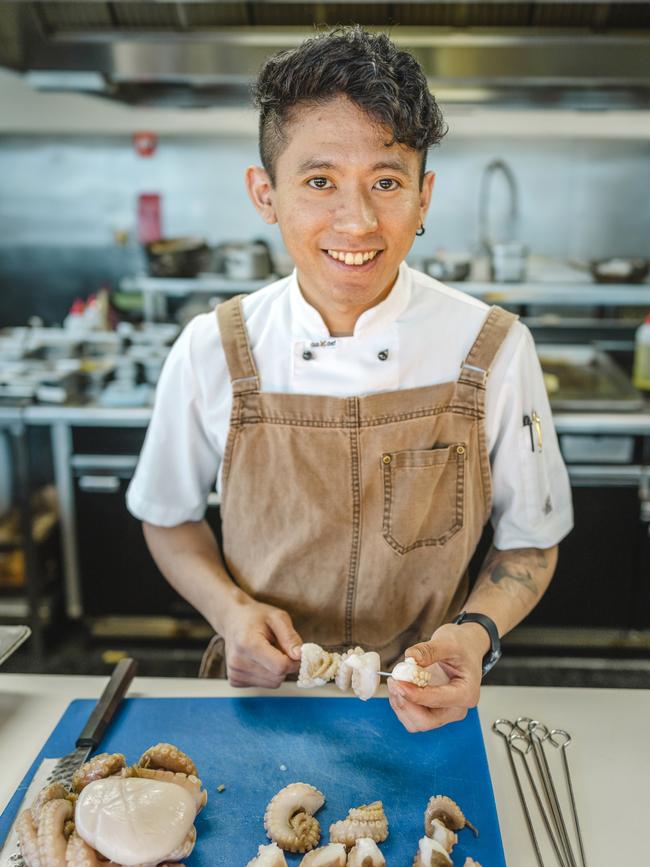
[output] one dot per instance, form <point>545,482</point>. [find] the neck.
<point>340,317</point>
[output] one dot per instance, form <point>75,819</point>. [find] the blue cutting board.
<point>354,752</point>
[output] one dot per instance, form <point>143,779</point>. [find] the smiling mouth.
<point>354,260</point>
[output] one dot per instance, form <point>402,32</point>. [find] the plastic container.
<point>641,375</point>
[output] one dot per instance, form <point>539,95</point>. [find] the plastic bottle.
<point>74,321</point>
<point>641,375</point>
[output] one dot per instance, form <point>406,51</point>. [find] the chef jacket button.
<point>387,459</point>
<point>460,450</point>
<point>383,355</point>
<point>308,355</point>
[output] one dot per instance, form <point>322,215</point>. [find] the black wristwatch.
<point>494,653</point>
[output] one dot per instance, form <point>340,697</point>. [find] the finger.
<point>416,718</point>
<point>459,692</point>
<point>252,677</point>
<point>288,639</point>
<point>429,652</point>
<point>262,653</point>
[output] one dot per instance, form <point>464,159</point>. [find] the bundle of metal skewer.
<point>529,744</point>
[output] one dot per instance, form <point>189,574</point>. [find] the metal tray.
<point>586,378</point>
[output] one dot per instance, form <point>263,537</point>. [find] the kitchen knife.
<point>64,768</point>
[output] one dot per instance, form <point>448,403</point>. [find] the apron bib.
<point>358,516</point>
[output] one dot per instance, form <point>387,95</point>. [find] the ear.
<point>425,194</point>
<point>260,191</point>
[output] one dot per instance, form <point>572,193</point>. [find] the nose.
<point>355,215</point>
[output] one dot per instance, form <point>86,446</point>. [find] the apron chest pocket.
<point>423,496</point>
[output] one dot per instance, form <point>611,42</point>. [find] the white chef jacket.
<point>426,329</point>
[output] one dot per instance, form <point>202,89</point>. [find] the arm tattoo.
<point>517,567</point>
<point>502,570</point>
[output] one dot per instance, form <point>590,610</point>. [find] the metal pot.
<point>246,260</point>
<point>448,269</point>
<point>178,257</point>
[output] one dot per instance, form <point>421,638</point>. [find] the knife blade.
<point>64,767</point>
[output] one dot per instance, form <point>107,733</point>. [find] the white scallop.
<point>134,821</point>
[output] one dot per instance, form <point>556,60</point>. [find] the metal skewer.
<point>515,736</point>
<point>539,733</point>
<point>561,740</point>
<point>498,727</point>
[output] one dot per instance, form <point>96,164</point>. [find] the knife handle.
<point>108,703</point>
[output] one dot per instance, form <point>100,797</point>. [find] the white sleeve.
<point>179,460</point>
<point>532,506</point>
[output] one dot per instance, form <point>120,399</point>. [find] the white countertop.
<point>609,758</point>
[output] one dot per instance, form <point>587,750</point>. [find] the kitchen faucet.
<point>485,236</point>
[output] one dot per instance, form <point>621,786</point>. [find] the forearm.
<point>189,558</point>
<point>511,583</point>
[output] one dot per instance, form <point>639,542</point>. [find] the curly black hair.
<point>382,80</point>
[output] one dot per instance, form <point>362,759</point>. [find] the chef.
<point>362,421</point>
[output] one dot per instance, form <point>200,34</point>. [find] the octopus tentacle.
<point>52,843</point>
<point>368,820</point>
<point>344,675</point>
<point>26,830</point>
<point>365,674</point>
<point>289,819</point>
<point>100,766</point>
<point>410,671</point>
<point>268,856</point>
<point>444,835</point>
<point>79,854</point>
<point>443,808</point>
<point>317,666</point>
<point>49,793</point>
<point>168,757</point>
<point>332,855</point>
<point>193,785</point>
<point>366,853</point>
<point>431,854</point>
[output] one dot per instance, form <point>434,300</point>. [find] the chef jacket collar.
<point>306,321</point>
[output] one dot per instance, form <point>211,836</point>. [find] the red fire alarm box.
<point>145,143</point>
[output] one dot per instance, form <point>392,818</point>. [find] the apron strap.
<point>476,367</point>
<point>237,348</point>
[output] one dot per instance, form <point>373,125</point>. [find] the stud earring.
<point>420,231</point>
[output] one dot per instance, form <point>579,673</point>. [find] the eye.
<point>383,181</point>
<point>320,183</point>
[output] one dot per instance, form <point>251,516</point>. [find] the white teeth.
<point>353,258</point>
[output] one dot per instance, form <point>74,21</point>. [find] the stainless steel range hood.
<point>557,54</point>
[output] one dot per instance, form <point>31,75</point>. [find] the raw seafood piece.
<point>410,671</point>
<point>100,766</point>
<point>317,666</point>
<point>269,856</point>
<point>368,820</point>
<point>134,821</point>
<point>444,835</point>
<point>289,818</point>
<point>191,784</point>
<point>332,855</point>
<point>365,674</point>
<point>431,854</point>
<point>470,862</point>
<point>344,674</point>
<point>443,808</point>
<point>366,853</point>
<point>169,758</point>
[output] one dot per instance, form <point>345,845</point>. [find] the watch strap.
<point>494,653</point>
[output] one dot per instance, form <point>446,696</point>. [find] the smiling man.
<point>363,420</point>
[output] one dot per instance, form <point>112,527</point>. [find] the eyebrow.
<point>394,165</point>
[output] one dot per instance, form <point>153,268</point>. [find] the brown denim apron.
<point>359,515</point>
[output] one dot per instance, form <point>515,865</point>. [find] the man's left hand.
<point>454,655</point>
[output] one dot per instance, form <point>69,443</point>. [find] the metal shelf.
<point>179,286</point>
<point>560,294</point>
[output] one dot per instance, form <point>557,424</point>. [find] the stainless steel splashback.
<point>587,54</point>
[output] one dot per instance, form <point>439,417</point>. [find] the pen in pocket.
<point>529,424</point>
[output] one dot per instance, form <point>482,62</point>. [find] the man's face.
<point>340,190</point>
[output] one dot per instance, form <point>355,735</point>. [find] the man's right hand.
<point>262,647</point>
